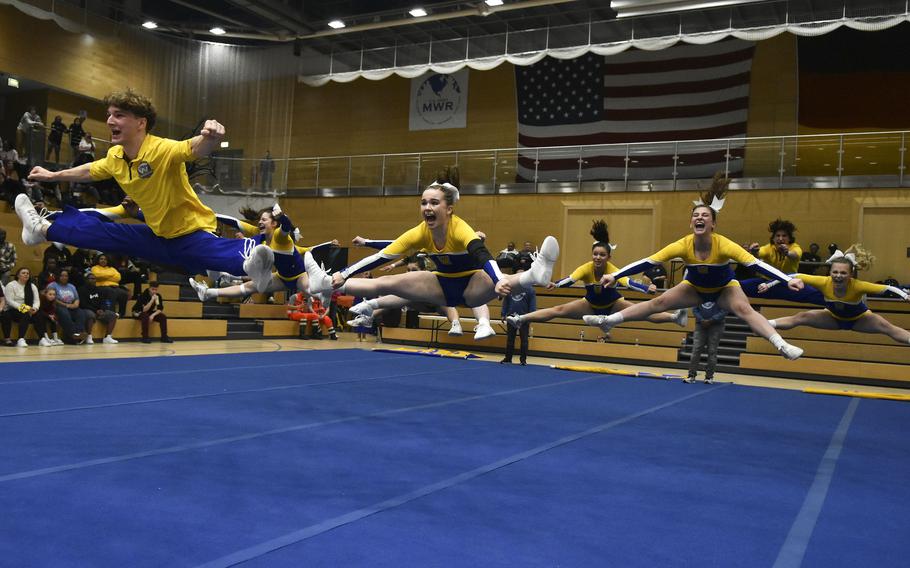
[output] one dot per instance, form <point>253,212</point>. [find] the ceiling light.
<point>493,2</point>
<point>217,31</point>
<point>149,25</point>
<point>418,12</point>
<point>225,144</point>
<point>336,24</point>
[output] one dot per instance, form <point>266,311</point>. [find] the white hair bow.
<point>717,203</point>
<point>455,195</point>
<point>838,254</point>
<point>611,245</point>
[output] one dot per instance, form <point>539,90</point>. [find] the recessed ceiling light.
<point>336,24</point>
<point>149,25</point>
<point>493,2</point>
<point>217,31</point>
<point>418,12</point>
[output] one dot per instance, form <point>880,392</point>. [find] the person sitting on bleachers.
<point>98,307</point>
<point>22,303</point>
<point>311,311</point>
<point>150,306</point>
<point>7,258</point>
<point>810,255</point>
<point>109,277</point>
<point>71,317</point>
<point>49,274</point>
<point>46,318</point>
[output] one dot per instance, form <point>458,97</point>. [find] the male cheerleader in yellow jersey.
<point>708,277</point>
<point>599,299</point>
<point>151,170</point>
<point>466,273</point>
<point>845,304</point>
<point>781,252</point>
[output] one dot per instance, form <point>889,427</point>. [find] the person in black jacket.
<point>99,306</point>
<point>150,306</point>
<point>521,301</point>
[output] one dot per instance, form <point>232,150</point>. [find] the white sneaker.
<point>362,309</point>
<point>21,342</point>
<point>514,320</point>
<point>542,268</point>
<point>258,266</point>
<point>56,340</point>
<point>361,321</point>
<point>200,287</point>
<point>320,281</point>
<point>89,340</point>
<point>483,331</point>
<point>34,226</point>
<point>681,317</point>
<point>455,329</point>
<point>598,321</point>
<point>109,340</point>
<point>790,352</point>
<point>45,342</point>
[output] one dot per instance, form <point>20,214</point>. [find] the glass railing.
<point>866,159</point>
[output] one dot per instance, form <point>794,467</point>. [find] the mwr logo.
<point>439,98</point>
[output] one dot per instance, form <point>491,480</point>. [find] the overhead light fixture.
<point>418,12</point>
<point>225,144</point>
<point>336,24</point>
<point>629,8</point>
<point>149,25</point>
<point>217,31</point>
<point>14,83</point>
<point>493,2</point>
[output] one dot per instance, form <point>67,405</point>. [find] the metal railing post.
<point>840,161</point>
<point>382,176</point>
<point>419,164</point>
<point>495,165</point>
<point>780,166</point>
<point>581,161</point>
<point>537,171</point>
<point>675,163</point>
<point>317,175</point>
<point>727,161</point>
<point>625,173</point>
<point>903,153</point>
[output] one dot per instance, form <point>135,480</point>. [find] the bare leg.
<point>734,300</point>
<point>659,317</point>
<point>573,310</point>
<point>680,296</point>
<point>819,319</point>
<point>874,323</point>
<point>412,286</point>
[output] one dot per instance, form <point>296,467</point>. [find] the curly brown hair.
<point>781,225</point>
<point>131,101</point>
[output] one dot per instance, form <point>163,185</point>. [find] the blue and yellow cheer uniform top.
<point>598,296</point>
<point>453,260</point>
<point>852,305</point>
<point>782,262</point>
<point>156,179</point>
<point>710,275</point>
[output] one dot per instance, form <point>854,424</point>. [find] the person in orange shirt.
<point>311,310</point>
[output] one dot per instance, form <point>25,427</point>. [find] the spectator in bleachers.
<point>519,302</point>
<point>108,277</point>
<point>266,169</point>
<point>507,256</point>
<point>27,124</point>
<point>81,261</point>
<point>71,317</point>
<point>46,318</point>
<point>524,259</point>
<point>86,150</point>
<point>810,255</point>
<point>9,157</point>
<point>129,273</point>
<point>151,308</point>
<point>657,274</point>
<point>59,253</point>
<point>77,133</point>
<point>7,258</point>
<point>49,274</point>
<point>709,328</point>
<point>22,303</point>
<point>98,306</point>
<point>55,138</point>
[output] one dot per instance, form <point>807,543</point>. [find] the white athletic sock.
<point>211,293</point>
<point>374,303</point>
<point>483,321</point>
<point>777,341</point>
<point>615,319</point>
<point>773,323</point>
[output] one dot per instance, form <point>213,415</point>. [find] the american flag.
<point>686,92</point>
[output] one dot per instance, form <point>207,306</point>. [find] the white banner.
<point>439,101</point>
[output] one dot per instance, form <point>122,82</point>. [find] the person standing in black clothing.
<point>150,306</point>
<point>518,302</point>
<point>77,133</point>
<point>55,138</point>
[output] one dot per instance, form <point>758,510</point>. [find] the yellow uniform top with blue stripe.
<point>711,273</point>
<point>783,262</point>
<point>452,260</point>
<point>596,294</point>
<point>156,180</point>
<point>853,303</point>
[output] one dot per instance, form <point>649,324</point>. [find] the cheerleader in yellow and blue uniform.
<point>599,299</point>
<point>466,273</point>
<point>781,252</point>
<point>845,303</point>
<point>708,277</point>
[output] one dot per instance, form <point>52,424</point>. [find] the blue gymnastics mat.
<point>356,458</point>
